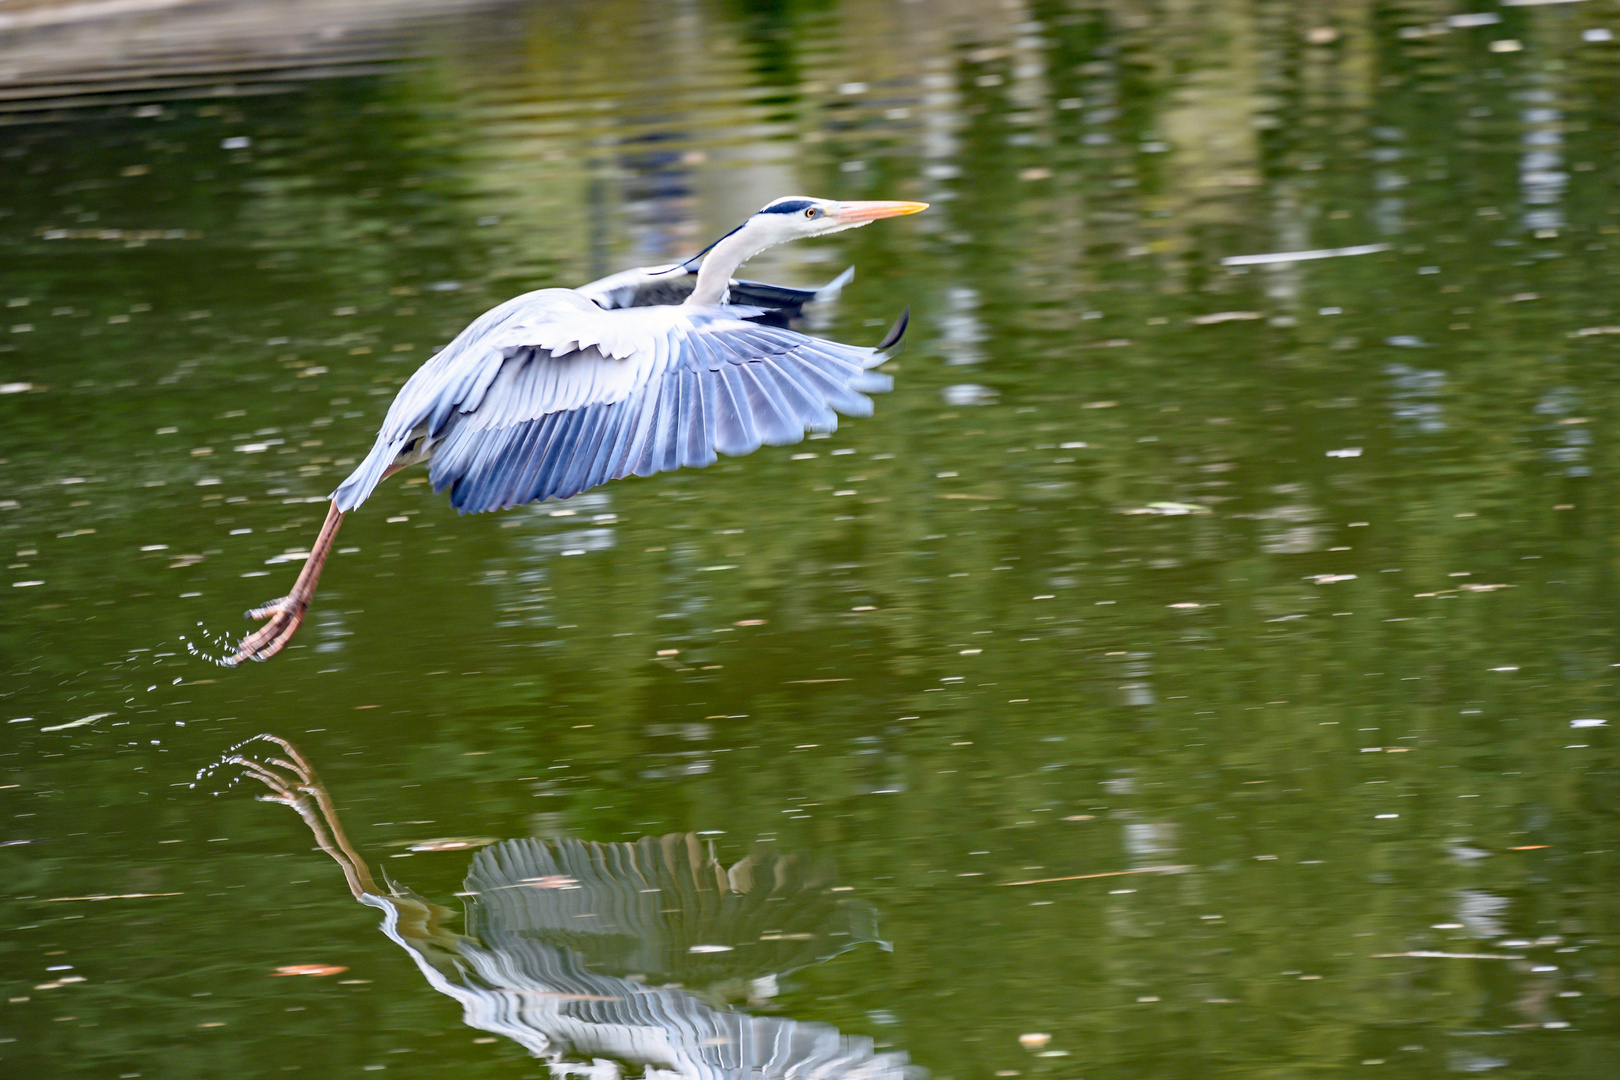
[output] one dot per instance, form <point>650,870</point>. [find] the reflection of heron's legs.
<point>304,792</point>
<point>287,613</point>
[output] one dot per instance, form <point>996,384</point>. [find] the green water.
<point>1289,586</point>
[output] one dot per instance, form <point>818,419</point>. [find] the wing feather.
<point>807,404</point>
<point>549,395</point>
<point>546,480</point>
<point>571,478</point>
<point>694,432</point>
<point>516,461</point>
<point>735,433</point>
<point>658,450</point>
<point>778,425</point>
<point>617,428</point>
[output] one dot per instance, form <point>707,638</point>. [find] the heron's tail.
<point>364,480</point>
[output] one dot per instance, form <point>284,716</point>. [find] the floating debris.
<point>106,896</point>
<point>1168,509</point>
<point>81,722</point>
<point>1105,873</point>
<point>314,970</point>
<point>1275,257</point>
<point>448,843</point>
<point>1224,316</point>
<point>1432,954</point>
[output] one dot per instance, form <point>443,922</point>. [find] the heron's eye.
<point>812,212</point>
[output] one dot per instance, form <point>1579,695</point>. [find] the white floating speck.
<point>1348,451</point>
<point>236,142</point>
<point>1302,256</point>
<point>1588,722</point>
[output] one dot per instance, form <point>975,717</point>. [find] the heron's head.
<point>794,217</point>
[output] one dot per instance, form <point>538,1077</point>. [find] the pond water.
<point>1202,663</point>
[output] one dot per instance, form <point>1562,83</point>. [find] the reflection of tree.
<point>582,952</point>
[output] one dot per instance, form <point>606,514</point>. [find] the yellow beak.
<point>857,213</point>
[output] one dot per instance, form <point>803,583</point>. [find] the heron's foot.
<point>285,616</point>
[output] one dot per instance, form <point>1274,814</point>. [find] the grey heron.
<point>560,390</point>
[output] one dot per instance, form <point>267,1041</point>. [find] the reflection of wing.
<point>517,979</point>
<point>662,909</point>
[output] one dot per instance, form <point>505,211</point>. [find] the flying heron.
<point>560,390</point>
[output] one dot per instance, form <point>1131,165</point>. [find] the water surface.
<point>1199,666</point>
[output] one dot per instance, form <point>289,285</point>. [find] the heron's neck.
<point>722,260</point>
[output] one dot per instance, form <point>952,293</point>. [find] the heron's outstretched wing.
<point>649,285</point>
<point>548,395</point>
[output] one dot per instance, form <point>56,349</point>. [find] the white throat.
<point>722,260</point>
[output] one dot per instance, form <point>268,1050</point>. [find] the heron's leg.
<point>287,613</point>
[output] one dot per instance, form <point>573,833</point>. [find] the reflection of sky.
<point>547,532</point>
<point>1542,179</point>
<point>1389,208</point>
<point>1413,399</point>
<point>1571,436</point>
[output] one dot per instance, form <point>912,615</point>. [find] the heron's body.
<point>559,390</point>
<point>647,286</point>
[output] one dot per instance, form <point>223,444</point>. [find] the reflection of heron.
<point>592,955</point>
<point>560,390</point>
